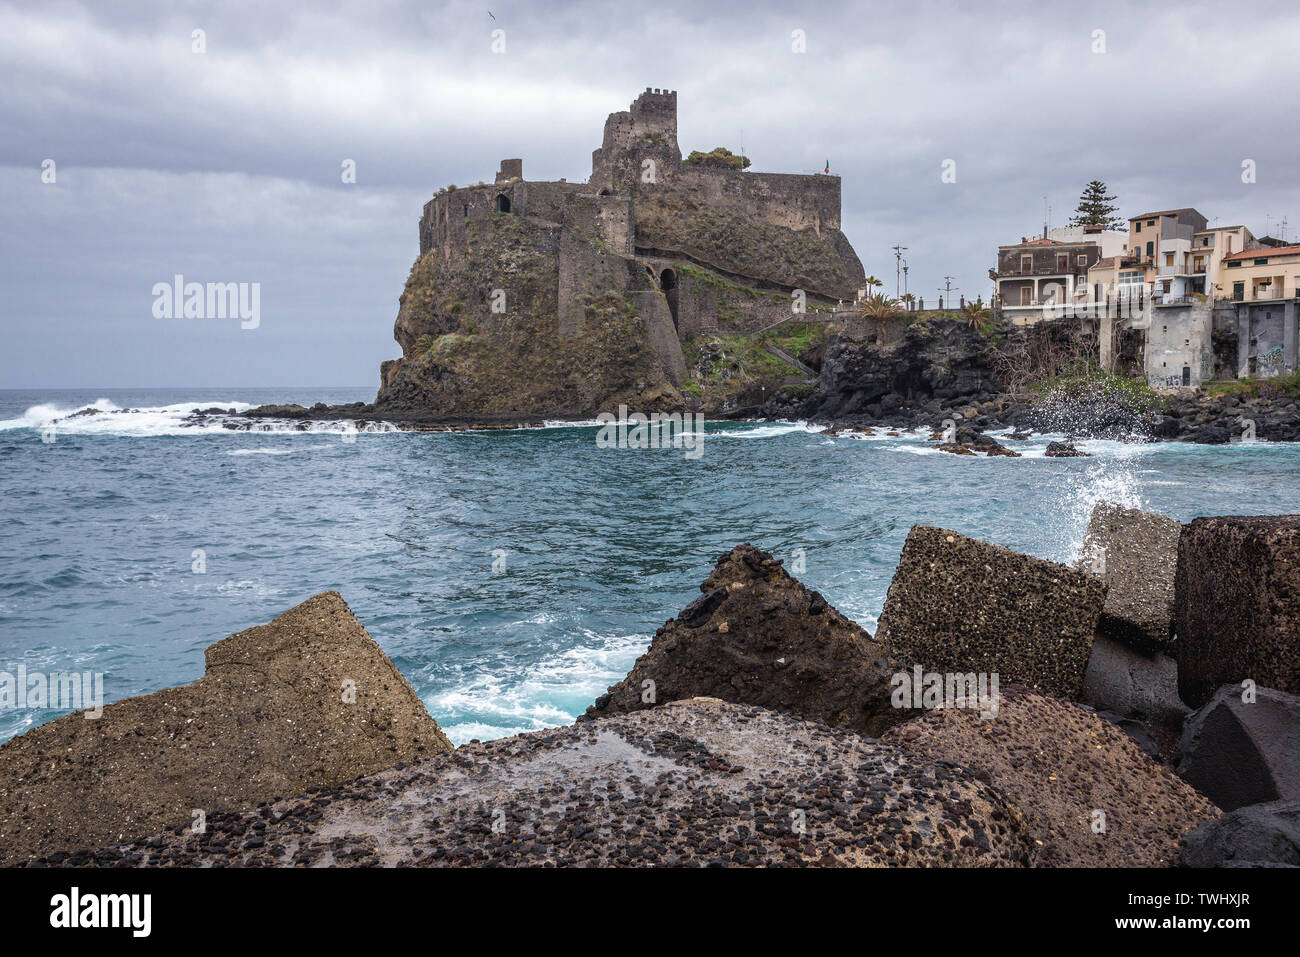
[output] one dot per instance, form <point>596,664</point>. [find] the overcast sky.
<point>225,165</point>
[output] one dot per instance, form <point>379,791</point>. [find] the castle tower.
<point>647,130</point>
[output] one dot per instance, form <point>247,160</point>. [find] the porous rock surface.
<point>1061,763</point>
<point>1237,604</point>
<point>306,700</point>
<point>961,605</point>
<point>1136,553</point>
<point>699,782</point>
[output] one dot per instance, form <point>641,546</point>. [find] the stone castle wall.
<point>757,232</point>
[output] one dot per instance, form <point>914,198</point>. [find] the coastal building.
<point>1209,248</point>
<point>1035,277</point>
<point>1262,305</point>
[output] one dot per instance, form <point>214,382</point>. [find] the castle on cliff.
<point>693,247</point>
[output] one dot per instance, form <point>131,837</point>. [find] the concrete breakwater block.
<point>1136,554</point>
<point>304,701</point>
<point>1243,747</point>
<point>1133,684</point>
<point>1090,796</point>
<point>957,604</point>
<point>1237,604</point>
<point>697,782</point>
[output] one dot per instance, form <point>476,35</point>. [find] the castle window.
<point>503,203</point>
<point>467,212</point>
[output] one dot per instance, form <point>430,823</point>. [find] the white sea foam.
<point>103,417</point>
<point>495,702</point>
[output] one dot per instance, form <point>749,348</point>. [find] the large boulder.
<point>960,605</point>
<point>1237,604</point>
<point>1238,752</point>
<point>1062,764</point>
<point>306,700</point>
<point>757,636</point>
<point>1136,554</point>
<point>689,783</point>
<point>1261,835</point>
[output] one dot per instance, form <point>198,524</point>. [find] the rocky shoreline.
<point>1009,712</point>
<point>1198,419</point>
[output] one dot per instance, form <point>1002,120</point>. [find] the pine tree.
<point>1097,209</point>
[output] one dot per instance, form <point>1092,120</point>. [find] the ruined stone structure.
<point>689,249</point>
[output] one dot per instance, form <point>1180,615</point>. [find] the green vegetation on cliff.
<point>1085,379</point>
<point>1275,387</point>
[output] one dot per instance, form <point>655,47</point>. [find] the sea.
<point>510,575</point>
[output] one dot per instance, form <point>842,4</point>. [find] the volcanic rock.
<point>1239,752</point>
<point>1260,835</point>
<point>306,700</point>
<point>757,636</point>
<point>1064,764</point>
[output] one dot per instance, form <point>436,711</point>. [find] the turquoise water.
<point>600,545</point>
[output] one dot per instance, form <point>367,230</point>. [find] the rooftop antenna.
<point>1282,228</point>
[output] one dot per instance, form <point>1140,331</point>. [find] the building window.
<point>1234,264</point>
<point>1169,259</point>
<point>1261,262</point>
<point>1062,262</point>
<point>1083,261</point>
<point>1151,249</point>
<point>1026,265</point>
<point>1151,222</point>
<point>1139,226</point>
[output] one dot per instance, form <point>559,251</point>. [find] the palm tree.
<point>881,308</point>
<point>871,282</point>
<point>976,314</point>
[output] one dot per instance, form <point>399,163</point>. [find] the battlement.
<point>656,110</point>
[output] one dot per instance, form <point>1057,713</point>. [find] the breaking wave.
<point>103,417</point>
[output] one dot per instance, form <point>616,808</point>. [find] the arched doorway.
<point>503,203</point>
<point>668,283</point>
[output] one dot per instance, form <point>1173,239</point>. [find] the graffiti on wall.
<point>1269,362</point>
<point>1165,381</point>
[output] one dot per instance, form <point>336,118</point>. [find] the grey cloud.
<point>227,163</point>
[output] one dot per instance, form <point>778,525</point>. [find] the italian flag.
<point>828,167</point>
